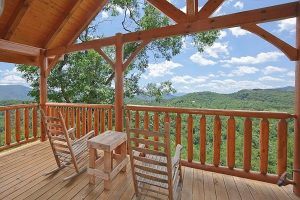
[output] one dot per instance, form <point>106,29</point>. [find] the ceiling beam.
<point>17,59</point>
<point>92,14</point>
<point>62,22</point>
<point>17,48</point>
<point>169,10</point>
<point>16,18</point>
<point>290,51</point>
<point>209,8</point>
<point>261,15</point>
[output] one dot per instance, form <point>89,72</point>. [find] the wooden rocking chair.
<point>155,173</point>
<point>66,148</point>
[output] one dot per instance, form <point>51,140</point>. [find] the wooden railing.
<point>19,124</point>
<point>85,117</point>
<point>205,132</point>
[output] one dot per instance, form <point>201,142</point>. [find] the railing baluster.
<point>282,147</point>
<point>231,142</point>
<point>18,125</point>
<point>78,135</point>
<point>34,122</point>
<point>89,119</point>
<point>137,124</point>
<point>83,128</point>
<point>67,117</point>
<point>190,138</point>
<point>178,129</point>
<point>109,118</point>
<point>203,139</point>
<point>26,123</point>
<point>156,127</point>
<point>146,124</point>
<point>72,110</point>
<point>102,118</point>
<point>96,121</point>
<point>264,145</point>
<point>7,128</point>
<point>217,140</point>
<point>247,144</point>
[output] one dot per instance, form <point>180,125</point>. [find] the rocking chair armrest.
<point>85,137</point>
<point>176,158</point>
<point>71,133</point>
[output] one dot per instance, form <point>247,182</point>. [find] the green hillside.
<point>258,99</point>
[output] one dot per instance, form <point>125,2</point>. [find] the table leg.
<point>92,164</point>
<point>107,168</point>
<point>124,154</point>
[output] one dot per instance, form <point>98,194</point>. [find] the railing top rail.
<point>80,105</point>
<point>221,112</point>
<point>18,106</point>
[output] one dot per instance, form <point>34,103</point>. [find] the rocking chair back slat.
<point>153,168</point>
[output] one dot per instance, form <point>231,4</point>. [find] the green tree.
<point>158,91</point>
<point>86,77</point>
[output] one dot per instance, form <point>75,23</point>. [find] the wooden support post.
<point>119,83</point>
<point>296,175</point>
<point>43,89</point>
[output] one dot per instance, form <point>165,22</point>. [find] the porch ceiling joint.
<point>169,10</point>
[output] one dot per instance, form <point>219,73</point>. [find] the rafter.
<point>100,5</point>
<point>16,18</point>
<point>69,13</point>
<point>261,15</point>
<point>135,53</point>
<point>105,57</point>
<point>288,50</point>
<point>17,48</point>
<point>169,10</point>
<point>209,8</point>
<point>18,59</point>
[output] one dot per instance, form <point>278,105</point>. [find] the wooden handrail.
<point>80,105</point>
<point>19,106</point>
<point>220,112</point>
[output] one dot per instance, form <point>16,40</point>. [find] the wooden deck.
<point>21,177</point>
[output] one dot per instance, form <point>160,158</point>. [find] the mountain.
<point>278,99</point>
<point>14,92</point>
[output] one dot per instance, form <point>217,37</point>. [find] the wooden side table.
<point>108,142</point>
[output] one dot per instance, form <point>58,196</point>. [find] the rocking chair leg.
<point>54,170</point>
<point>75,175</point>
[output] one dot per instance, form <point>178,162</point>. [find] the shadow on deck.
<point>21,177</point>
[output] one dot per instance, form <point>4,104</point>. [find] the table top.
<point>107,141</point>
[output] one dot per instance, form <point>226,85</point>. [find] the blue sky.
<point>238,59</point>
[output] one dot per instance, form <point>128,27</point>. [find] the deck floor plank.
<point>22,168</point>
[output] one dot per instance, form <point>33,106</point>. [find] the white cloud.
<point>104,15</point>
<point>291,74</point>
<point>237,31</point>
<point>217,49</point>
<point>200,60</point>
<point>239,5</point>
<point>223,34</point>
<point>287,25</point>
<point>270,78</point>
<point>12,77</point>
<point>272,69</point>
<point>259,58</point>
<point>186,79</point>
<point>163,68</point>
<point>243,70</point>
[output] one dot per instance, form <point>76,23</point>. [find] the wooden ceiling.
<point>45,23</point>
